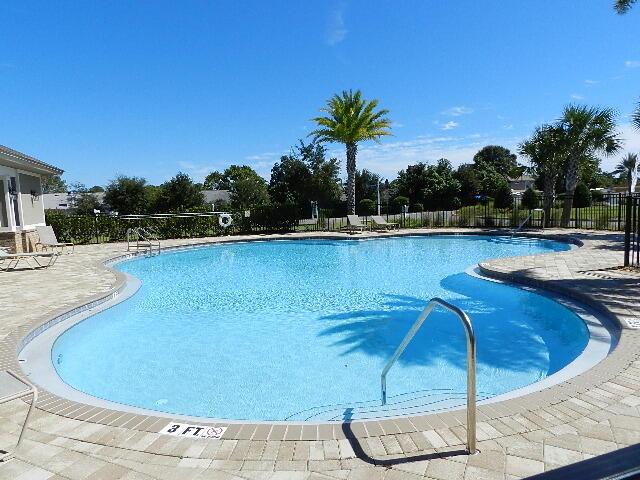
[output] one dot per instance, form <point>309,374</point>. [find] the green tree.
<point>306,175</point>
<point>411,182</point>
<point>246,188</point>
<point>367,184</point>
<point>469,183</point>
<point>366,206</point>
<point>503,197</point>
<point>442,190</point>
<point>53,184</point>
<point>126,195</point>
<point>628,167</point>
<point>86,203</point>
<point>546,151</point>
<point>96,189</point>
<point>623,6</point>
<point>350,120</point>
<point>179,194</point>
<point>582,196</point>
<point>529,199</point>
<point>290,181</point>
<point>588,131</point>
<point>635,117</point>
<point>498,159</point>
<point>216,181</point>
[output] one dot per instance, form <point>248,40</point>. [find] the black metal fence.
<point>603,212</point>
<point>632,232</point>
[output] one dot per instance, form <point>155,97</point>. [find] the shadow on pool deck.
<point>365,457</point>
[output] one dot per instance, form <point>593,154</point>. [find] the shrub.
<point>530,199</point>
<point>597,195</point>
<point>417,207</point>
<point>366,206</point>
<point>398,203</point>
<point>503,197</point>
<point>582,196</point>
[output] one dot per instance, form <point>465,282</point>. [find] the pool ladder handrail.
<point>530,217</point>
<point>148,238</point>
<point>471,362</point>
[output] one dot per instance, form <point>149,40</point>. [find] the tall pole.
<point>378,203</point>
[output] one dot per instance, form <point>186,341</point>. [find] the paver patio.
<point>591,414</point>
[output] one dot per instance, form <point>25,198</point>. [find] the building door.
<point>4,218</point>
<point>14,198</point>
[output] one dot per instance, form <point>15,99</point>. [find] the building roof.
<point>15,159</point>
<point>212,196</point>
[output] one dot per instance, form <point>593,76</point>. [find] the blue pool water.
<point>301,329</point>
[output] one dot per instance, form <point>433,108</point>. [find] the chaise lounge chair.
<point>380,222</point>
<point>354,224</point>
<point>48,240</point>
<point>9,261</point>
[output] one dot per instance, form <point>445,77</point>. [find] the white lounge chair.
<point>47,239</point>
<point>9,261</point>
<point>380,222</point>
<point>354,223</point>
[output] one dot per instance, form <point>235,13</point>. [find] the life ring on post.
<point>225,220</point>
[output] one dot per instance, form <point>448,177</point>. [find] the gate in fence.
<point>632,232</point>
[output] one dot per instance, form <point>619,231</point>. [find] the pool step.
<point>414,403</point>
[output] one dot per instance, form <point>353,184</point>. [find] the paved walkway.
<point>594,413</point>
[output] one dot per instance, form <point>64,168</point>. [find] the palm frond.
<point>351,119</point>
<point>623,6</point>
<point>635,117</point>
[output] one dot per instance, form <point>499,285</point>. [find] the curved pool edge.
<point>151,423</point>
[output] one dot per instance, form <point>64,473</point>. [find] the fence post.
<point>627,231</point>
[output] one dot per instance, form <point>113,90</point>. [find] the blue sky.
<point>148,88</point>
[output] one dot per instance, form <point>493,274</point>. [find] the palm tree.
<point>546,150</point>
<point>588,131</point>
<point>635,117</point>
<point>351,119</point>
<point>629,166</point>
<point>623,6</point>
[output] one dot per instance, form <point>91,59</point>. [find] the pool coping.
<point>605,370</point>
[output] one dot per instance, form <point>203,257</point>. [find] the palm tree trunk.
<point>571,182</point>
<point>629,180</point>
<point>549,196</point>
<point>352,150</point>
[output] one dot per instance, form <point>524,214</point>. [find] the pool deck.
<point>592,414</point>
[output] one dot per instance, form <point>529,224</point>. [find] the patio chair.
<point>9,261</point>
<point>47,239</point>
<point>354,224</point>
<point>13,387</point>
<point>380,222</point>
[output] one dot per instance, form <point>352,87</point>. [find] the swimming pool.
<point>301,329</point>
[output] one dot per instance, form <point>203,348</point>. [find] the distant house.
<point>21,202</point>
<point>66,201</point>
<point>216,196</point>
<point>521,183</point>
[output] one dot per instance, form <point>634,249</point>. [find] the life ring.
<point>225,220</point>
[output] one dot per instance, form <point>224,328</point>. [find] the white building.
<point>21,202</point>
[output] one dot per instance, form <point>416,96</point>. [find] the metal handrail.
<point>149,238</point>
<point>530,216</point>
<point>471,363</point>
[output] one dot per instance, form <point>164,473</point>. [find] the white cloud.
<point>458,111</point>
<point>577,96</point>
<point>336,28</point>
<point>197,171</point>
<point>631,138</point>
<point>387,159</point>
<point>632,63</point>
<point>508,127</point>
<point>450,125</point>
<point>591,82</point>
